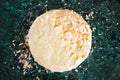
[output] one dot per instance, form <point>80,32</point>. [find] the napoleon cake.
<point>60,40</point>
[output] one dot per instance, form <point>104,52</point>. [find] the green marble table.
<point>16,16</point>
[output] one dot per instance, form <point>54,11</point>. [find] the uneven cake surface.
<point>60,40</point>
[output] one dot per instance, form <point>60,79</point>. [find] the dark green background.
<point>16,16</point>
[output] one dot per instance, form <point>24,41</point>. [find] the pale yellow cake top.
<point>60,40</point>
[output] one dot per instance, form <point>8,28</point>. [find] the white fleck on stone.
<point>20,44</point>
<point>15,54</point>
<point>13,41</point>
<point>13,44</point>
<point>87,17</point>
<point>46,1</point>
<point>85,69</point>
<point>39,4</point>
<point>100,48</point>
<point>5,62</point>
<point>80,66</point>
<point>96,12</point>
<point>24,72</point>
<point>116,47</point>
<point>102,57</point>
<point>18,51</point>
<point>45,5</point>
<point>91,13</point>
<point>37,78</point>
<point>63,1</point>
<point>18,67</point>
<point>95,78</point>
<point>65,4</point>
<point>94,28</point>
<point>13,67</point>
<point>99,34</point>
<point>9,46</point>
<point>76,70</point>
<point>66,76</point>
<point>46,71</point>
<point>92,17</point>
<point>107,19</point>
<point>117,23</point>
<point>78,2</point>
<point>39,70</point>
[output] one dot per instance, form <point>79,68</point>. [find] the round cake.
<point>60,40</point>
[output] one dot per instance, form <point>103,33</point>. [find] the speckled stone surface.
<point>16,16</point>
